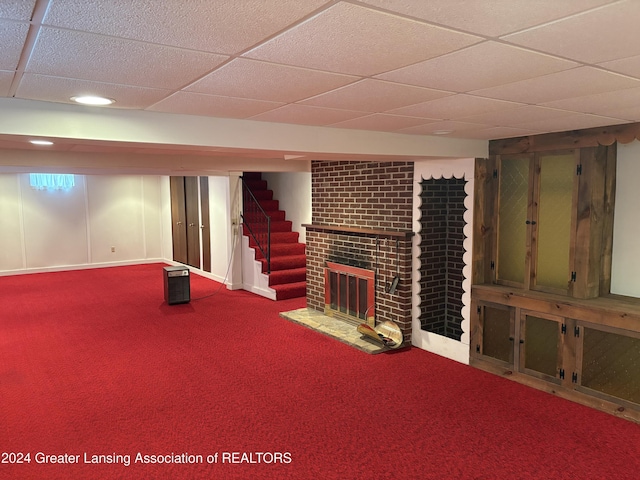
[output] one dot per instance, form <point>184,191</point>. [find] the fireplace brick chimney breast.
<point>370,204</point>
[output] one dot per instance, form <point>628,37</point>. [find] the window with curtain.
<point>51,181</point>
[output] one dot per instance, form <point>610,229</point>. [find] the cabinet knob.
<point>178,223</point>
<point>192,224</point>
<point>530,222</point>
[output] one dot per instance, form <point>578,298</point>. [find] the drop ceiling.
<point>463,69</point>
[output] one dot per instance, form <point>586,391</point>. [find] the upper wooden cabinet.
<point>544,221</point>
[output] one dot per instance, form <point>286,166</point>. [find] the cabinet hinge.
<point>574,377</point>
<point>562,373</point>
<point>563,329</point>
<point>576,331</point>
<point>573,276</point>
<point>579,169</point>
<point>477,348</point>
<point>495,173</point>
<point>493,265</point>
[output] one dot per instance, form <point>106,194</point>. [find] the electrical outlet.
<point>113,249</point>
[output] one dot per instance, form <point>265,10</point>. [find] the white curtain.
<point>51,181</point>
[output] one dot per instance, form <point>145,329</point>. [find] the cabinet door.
<point>536,225</point>
<point>496,333</point>
<point>513,209</point>
<point>609,362</point>
<point>554,227</point>
<point>541,346</point>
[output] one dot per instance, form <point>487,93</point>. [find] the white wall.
<point>53,229</point>
<point>443,168</point>
<point>625,268</point>
<point>293,190</point>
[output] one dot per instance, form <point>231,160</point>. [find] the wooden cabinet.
<point>536,220</point>
<point>584,350</point>
<point>541,309</point>
<point>522,341</point>
<point>543,221</point>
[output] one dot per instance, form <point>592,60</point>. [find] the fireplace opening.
<point>350,293</point>
<point>441,256</point>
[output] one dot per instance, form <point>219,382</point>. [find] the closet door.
<point>193,221</point>
<point>178,219</point>
<point>205,227</point>
<point>185,220</point>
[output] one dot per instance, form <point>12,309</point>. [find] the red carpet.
<point>95,362</point>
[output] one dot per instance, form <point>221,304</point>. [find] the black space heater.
<point>176,285</point>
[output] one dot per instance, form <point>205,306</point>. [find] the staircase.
<point>288,259</point>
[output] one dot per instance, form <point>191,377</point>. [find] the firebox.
<point>350,293</point>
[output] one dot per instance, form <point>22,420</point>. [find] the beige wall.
<point>43,229</point>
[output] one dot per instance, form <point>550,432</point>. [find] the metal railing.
<point>257,221</point>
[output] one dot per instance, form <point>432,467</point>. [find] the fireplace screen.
<point>350,293</point>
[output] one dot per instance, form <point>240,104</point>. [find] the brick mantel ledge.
<point>359,231</point>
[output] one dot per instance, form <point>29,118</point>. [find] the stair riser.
<point>276,215</point>
<point>278,237</point>
<point>284,249</point>
<point>284,263</point>
<point>275,227</point>
<point>282,277</point>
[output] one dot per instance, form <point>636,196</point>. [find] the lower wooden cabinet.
<point>564,352</point>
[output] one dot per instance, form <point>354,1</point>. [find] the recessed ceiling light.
<point>442,132</point>
<point>92,100</point>
<point>41,142</point>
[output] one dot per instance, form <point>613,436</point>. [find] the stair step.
<point>255,185</point>
<point>291,290</point>
<point>263,194</point>
<point>277,226</point>
<point>293,275</point>
<point>252,176</point>
<point>278,237</point>
<point>285,263</point>
<point>270,205</point>
<point>283,249</point>
<point>275,215</point>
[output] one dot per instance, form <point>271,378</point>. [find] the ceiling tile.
<point>556,86</point>
<point>222,26</point>
<point>446,126</point>
<point>515,115</point>
<point>17,9</point>
<point>374,96</point>
<point>5,82</point>
<point>57,89</point>
<point>212,105</point>
<point>268,81</point>
<point>611,32</point>
<point>496,133</point>
<point>455,106</point>
<point>13,35</point>
<point>352,39</point>
<point>484,65</point>
<point>601,103</point>
<point>307,115</point>
<point>488,17</point>
<point>627,66</point>
<point>571,122</point>
<point>380,121</point>
<point>65,53</point>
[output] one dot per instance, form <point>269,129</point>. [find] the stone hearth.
<point>340,330</point>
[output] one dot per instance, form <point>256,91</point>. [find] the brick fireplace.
<point>362,218</point>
